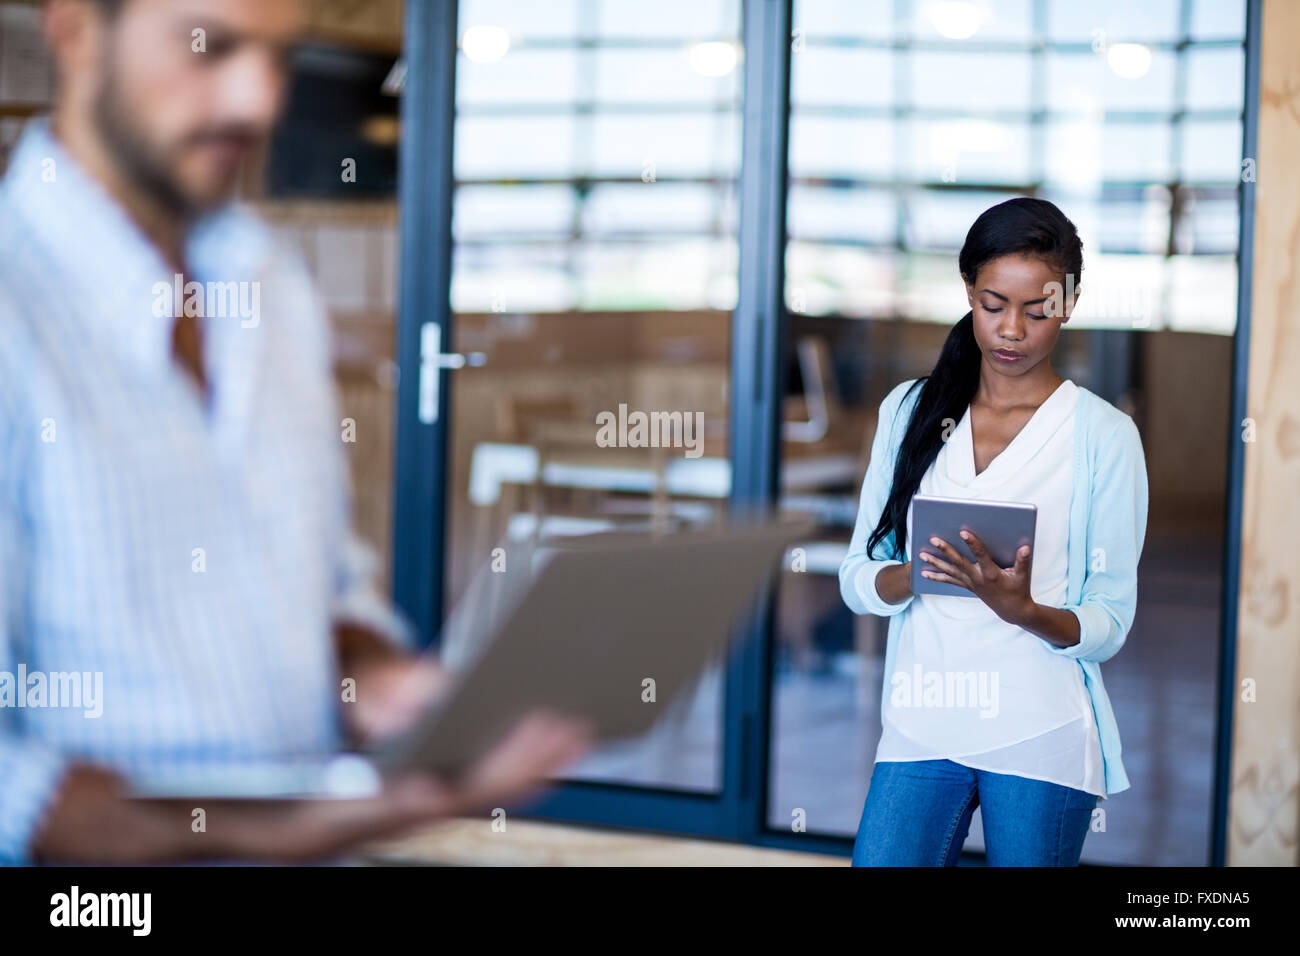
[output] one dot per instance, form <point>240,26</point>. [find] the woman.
<point>1035,746</point>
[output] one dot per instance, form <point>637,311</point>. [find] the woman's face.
<point>1017,319</point>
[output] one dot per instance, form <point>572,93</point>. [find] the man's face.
<point>189,89</point>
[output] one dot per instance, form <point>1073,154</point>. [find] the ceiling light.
<point>956,19</point>
<point>485,44</point>
<point>714,58</point>
<point>1131,61</point>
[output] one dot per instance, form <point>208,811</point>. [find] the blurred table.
<point>466,842</point>
<point>496,463</point>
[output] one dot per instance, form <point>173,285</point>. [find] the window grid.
<point>905,187</point>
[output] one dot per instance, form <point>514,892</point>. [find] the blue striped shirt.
<point>196,554</point>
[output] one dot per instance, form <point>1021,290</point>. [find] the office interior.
<point>600,181</point>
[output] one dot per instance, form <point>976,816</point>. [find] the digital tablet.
<point>1003,527</point>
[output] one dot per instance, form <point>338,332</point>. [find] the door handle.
<point>432,362</point>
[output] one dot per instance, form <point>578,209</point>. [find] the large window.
<point>597,149</point>
<point>908,119</point>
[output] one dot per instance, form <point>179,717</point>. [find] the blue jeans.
<point>918,814</point>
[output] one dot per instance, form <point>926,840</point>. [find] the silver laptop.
<point>585,626</point>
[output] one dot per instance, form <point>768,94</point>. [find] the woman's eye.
<point>991,309</point>
<point>1032,316</point>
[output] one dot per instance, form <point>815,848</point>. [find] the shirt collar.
<point>107,259</point>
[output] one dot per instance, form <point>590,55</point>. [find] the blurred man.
<point>174,522</point>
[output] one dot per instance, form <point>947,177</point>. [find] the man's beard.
<point>140,166</point>
<point>144,167</point>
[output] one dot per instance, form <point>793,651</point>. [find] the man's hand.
<point>92,822</point>
<point>540,746</point>
<point>391,695</point>
<point>392,686</point>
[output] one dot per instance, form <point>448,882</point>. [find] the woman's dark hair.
<point>1021,226</point>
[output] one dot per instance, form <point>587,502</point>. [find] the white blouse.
<point>968,686</point>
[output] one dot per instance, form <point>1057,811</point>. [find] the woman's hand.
<point>1004,590</point>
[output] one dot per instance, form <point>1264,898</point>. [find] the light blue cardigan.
<point>1108,520</point>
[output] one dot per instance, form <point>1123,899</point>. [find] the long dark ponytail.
<point>1020,226</point>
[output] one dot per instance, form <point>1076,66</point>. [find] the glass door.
<point>580,376</point>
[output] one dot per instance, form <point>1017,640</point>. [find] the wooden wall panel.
<point>370,24</point>
<point>1265,800</point>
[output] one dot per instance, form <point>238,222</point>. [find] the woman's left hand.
<point>1004,590</point>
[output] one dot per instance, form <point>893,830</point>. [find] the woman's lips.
<point>1008,355</point>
